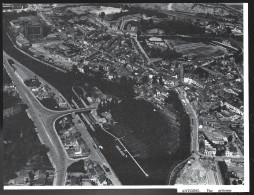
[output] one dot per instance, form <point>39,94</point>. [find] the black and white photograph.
<point>111,95</point>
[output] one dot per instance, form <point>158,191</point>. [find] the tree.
<point>145,79</point>
<point>154,79</point>
<point>150,21</point>
<point>202,146</point>
<point>230,138</point>
<point>232,147</point>
<point>43,150</point>
<point>161,81</point>
<point>31,175</point>
<point>101,68</point>
<point>234,182</point>
<point>138,33</point>
<point>99,107</point>
<point>228,30</point>
<point>77,167</point>
<point>74,69</point>
<point>102,15</point>
<point>86,69</point>
<point>123,80</point>
<point>224,172</point>
<point>220,150</point>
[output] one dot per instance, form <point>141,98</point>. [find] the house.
<point>101,180</point>
<point>237,108</point>
<point>210,151</point>
<point>228,153</point>
<point>108,117</point>
<point>22,42</point>
<point>102,120</point>
<point>9,87</point>
<point>78,150</point>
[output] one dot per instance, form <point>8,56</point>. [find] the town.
<point>186,67</point>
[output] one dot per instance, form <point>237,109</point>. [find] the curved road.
<point>44,119</point>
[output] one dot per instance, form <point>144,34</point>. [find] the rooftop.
<point>155,39</point>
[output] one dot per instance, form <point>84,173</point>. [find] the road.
<point>194,136</point>
<point>194,132</point>
<point>44,120</point>
<point>96,154</point>
<point>194,120</point>
<point>116,138</point>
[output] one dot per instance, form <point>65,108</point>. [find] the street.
<point>44,120</point>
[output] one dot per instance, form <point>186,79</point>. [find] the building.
<point>15,6</point>
<point>210,151</point>
<point>34,28</point>
<point>214,136</point>
<point>156,41</point>
<point>237,109</point>
<point>22,42</point>
<point>155,31</point>
<point>108,117</point>
<point>33,31</point>
<point>193,82</point>
<point>31,27</point>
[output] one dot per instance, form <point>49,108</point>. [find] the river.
<point>125,168</point>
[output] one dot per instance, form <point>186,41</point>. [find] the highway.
<point>41,118</point>
<point>44,120</point>
<point>194,137</point>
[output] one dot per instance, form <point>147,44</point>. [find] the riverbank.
<point>23,150</point>
<point>125,169</point>
<point>12,39</point>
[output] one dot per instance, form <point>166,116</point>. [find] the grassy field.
<point>201,50</point>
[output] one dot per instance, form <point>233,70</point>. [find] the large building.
<point>31,27</point>
<point>33,31</point>
<point>156,41</point>
<point>14,6</point>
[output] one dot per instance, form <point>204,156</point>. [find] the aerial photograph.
<point>133,94</point>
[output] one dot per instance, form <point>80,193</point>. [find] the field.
<point>95,10</point>
<point>199,49</point>
<point>194,174</point>
<point>165,6</point>
<point>58,59</point>
<point>146,132</point>
<point>136,146</point>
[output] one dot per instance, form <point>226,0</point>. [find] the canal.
<point>126,170</point>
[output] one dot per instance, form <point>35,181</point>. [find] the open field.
<point>199,172</point>
<point>193,175</point>
<point>60,60</point>
<point>136,146</point>
<point>95,9</point>
<point>201,50</point>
